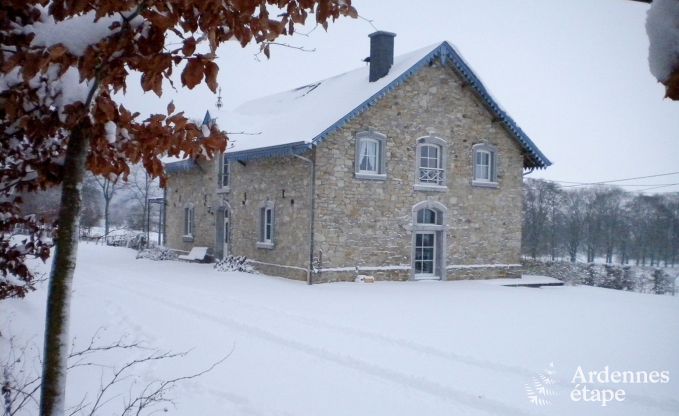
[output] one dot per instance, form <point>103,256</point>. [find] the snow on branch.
<point>662,26</point>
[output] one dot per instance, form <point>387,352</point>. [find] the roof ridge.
<point>405,66</point>
<point>320,81</point>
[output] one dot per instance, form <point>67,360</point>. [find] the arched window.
<point>368,155</point>
<point>427,216</point>
<point>370,160</point>
<point>429,240</point>
<point>431,164</point>
<point>485,165</point>
<point>429,213</point>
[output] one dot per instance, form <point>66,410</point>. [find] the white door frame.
<point>426,276</point>
<point>222,229</point>
<point>437,227</point>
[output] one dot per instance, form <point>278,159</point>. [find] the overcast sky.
<point>572,73</point>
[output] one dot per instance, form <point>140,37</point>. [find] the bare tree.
<point>541,217</point>
<point>600,221</point>
<point>141,187</point>
<point>91,210</point>
<point>59,117</point>
<point>574,216</point>
<point>108,187</point>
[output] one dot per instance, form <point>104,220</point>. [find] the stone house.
<point>404,169</point>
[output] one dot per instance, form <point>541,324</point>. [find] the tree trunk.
<point>147,210</point>
<point>107,201</point>
<point>55,352</point>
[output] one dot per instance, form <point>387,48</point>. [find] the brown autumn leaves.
<point>34,131</point>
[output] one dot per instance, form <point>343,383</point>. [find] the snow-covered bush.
<point>234,264</point>
<point>611,276</point>
<point>662,282</point>
<point>157,253</point>
<point>662,26</point>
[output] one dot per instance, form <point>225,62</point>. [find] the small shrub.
<point>234,264</point>
<point>157,253</point>
<point>662,282</point>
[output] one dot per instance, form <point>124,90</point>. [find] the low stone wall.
<point>472,272</point>
<point>289,272</point>
<point>350,275</point>
<point>484,272</point>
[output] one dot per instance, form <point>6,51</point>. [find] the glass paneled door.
<point>425,255</point>
<point>222,233</point>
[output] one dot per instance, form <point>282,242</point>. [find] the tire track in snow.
<point>421,384</point>
<point>395,341</point>
<point>424,349</point>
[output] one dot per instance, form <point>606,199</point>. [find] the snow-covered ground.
<point>388,348</point>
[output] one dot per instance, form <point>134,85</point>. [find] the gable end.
<point>533,157</point>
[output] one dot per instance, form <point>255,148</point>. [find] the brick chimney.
<point>381,54</point>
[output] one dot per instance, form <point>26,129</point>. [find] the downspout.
<point>312,204</point>
<point>164,217</point>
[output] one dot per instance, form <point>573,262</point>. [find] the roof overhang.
<point>185,165</point>
<point>446,53</point>
<point>288,149</point>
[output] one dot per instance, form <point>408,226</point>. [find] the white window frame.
<point>223,163</point>
<point>189,222</point>
<point>433,259</point>
<point>422,183</point>
<point>484,175</point>
<point>438,228</point>
<point>267,225</point>
<point>379,141</point>
<point>369,154</point>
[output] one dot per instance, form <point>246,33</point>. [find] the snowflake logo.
<point>540,390</point>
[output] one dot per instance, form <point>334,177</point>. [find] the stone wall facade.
<point>194,188</point>
<point>368,223</point>
<point>282,181</point>
<point>366,226</point>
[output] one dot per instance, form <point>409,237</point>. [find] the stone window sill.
<point>187,238</point>
<point>223,190</point>
<point>430,188</point>
<point>371,176</point>
<point>267,246</point>
<point>482,184</point>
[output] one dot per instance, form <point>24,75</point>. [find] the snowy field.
<point>415,348</point>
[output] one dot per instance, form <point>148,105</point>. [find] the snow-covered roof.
<point>291,122</point>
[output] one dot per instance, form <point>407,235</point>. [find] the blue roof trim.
<point>207,120</point>
<point>462,67</point>
<point>185,165</point>
<point>445,51</point>
<point>288,149</point>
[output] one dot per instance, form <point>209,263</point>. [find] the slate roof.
<point>293,121</point>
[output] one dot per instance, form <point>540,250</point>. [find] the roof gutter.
<point>184,165</point>
<point>287,149</point>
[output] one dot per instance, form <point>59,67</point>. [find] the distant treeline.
<point>600,222</point>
